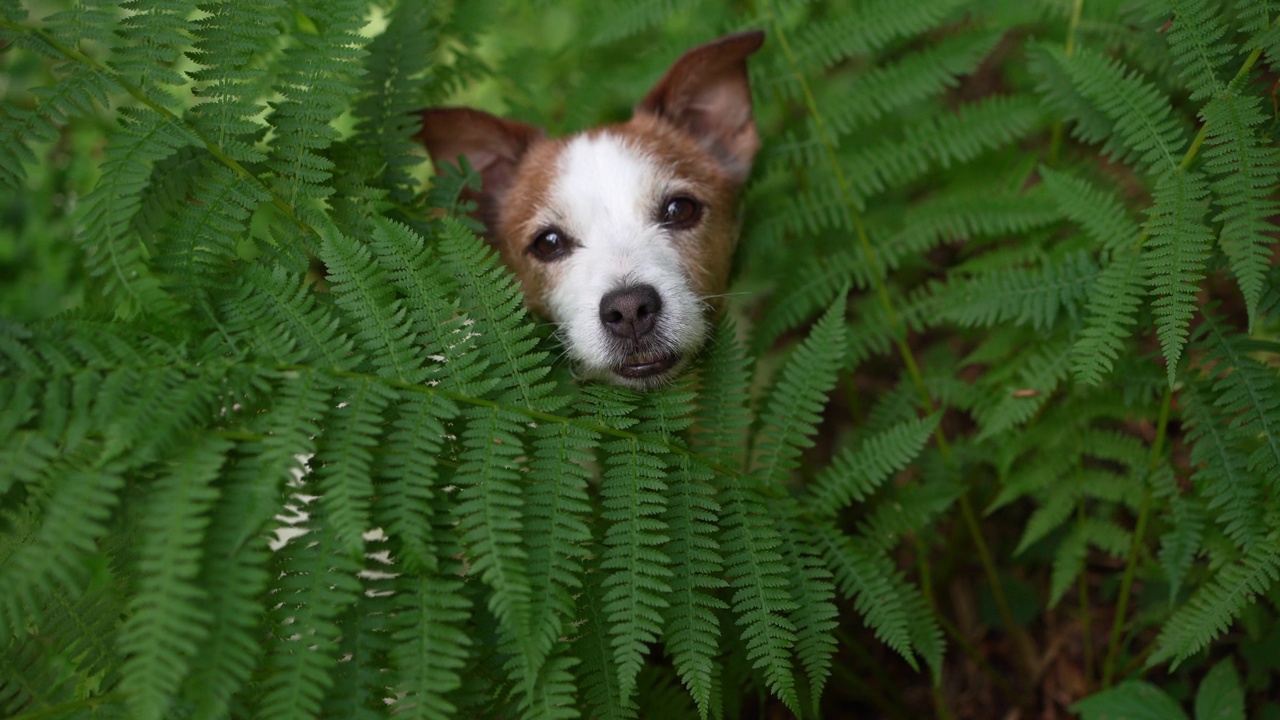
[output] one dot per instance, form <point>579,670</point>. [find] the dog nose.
<point>630,312</point>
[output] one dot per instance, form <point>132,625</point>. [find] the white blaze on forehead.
<point>605,197</point>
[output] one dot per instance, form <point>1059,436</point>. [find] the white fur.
<point>605,196</point>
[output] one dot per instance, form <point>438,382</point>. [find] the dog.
<point>621,235</point>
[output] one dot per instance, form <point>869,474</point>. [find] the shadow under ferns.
<point>998,386</point>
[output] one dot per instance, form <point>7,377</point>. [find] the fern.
<point>1179,248</point>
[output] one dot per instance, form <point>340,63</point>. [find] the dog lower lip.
<point>647,364</point>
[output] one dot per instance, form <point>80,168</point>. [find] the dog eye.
<point>681,212</point>
<point>549,245</point>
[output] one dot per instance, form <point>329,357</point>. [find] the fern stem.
<point>1203,133</point>
<point>137,93</point>
<point>1058,131</point>
<point>1135,544</point>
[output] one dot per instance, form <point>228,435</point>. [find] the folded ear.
<point>707,93</point>
<point>492,146</point>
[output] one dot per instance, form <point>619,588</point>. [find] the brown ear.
<point>707,93</point>
<point>492,146</point>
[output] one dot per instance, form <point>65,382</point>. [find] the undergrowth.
<point>997,384</point>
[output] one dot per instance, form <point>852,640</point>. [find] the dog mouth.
<point>641,365</point>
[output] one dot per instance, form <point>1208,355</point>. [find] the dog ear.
<point>707,93</point>
<point>492,146</point>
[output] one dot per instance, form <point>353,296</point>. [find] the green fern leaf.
<point>1244,173</point>
<point>815,616</point>
<point>1031,296</point>
<point>601,686</point>
<point>1180,544</point>
<point>1112,311</point>
<point>858,470</point>
<point>634,496</point>
<point>1069,557</point>
<point>792,411</point>
<point>410,468</point>
<point>723,417</point>
<point>344,461</point>
<point>1096,211</point>
<point>129,286</point>
<point>1195,35</point>
<point>76,93</point>
<point>1213,608</point>
<point>288,321</point>
<point>1138,119</point>
<point>1233,493</point>
<point>431,644</point>
<point>153,36</point>
<point>875,25</point>
<point>317,579</point>
<point>1133,699</point>
<point>691,624</point>
<point>1250,395</point>
<point>1174,258</point>
<point>168,617</point>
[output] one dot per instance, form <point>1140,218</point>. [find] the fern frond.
<point>203,242</point>
<point>910,78</point>
<point>858,470</point>
<point>632,17</point>
<point>129,285</point>
<point>634,496</point>
<point>491,298</point>
<point>1180,544</point>
<point>1032,296</point>
<point>409,470</point>
<point>231,84</point>
<point>431,644</point>
<point>759,580</point>
<point>1134,118</point>
<point>316,81</point>
<point>77,92</point>
<point>602,688</point>
<point>1112,311</point>
<point>911,509</point>
<point>1174,257</point>
<point>1234,494</point>
<point>1069,557</point>
<point>1098,212</point>
<point>691,625</point>
<point>344,460</point>
<point>1213,608</point>
<point>876,24</point>
<point>1027,381</point>
<point>168,617</point>
<point>153,36</point>
<point>1244,172</point>
<point>815,616</point>
<point>556,508</point>
<point>722,416</point>
<point>362,290</point>
<point>490,522</point>
<point>317,579</point>
<point>1249,394</point>
<point>1195,35</point>
<point>792,411</point>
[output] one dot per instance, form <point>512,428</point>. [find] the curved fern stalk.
<point>1174,257</point>
<point>636,586</point>
<point>316,82</point>
<point>316,580</point>
<point>129,285</point>
<point>168,616</point>
<point>1213,608</point>
<point>859,470</point>
<point>226,41</point>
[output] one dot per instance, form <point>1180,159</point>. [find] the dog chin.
<point>650,367</point>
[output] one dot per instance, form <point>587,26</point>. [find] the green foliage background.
<point>1006,308</point>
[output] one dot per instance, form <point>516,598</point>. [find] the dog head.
<point>621,235</point>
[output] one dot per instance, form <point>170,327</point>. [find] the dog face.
<point>621,235</point>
